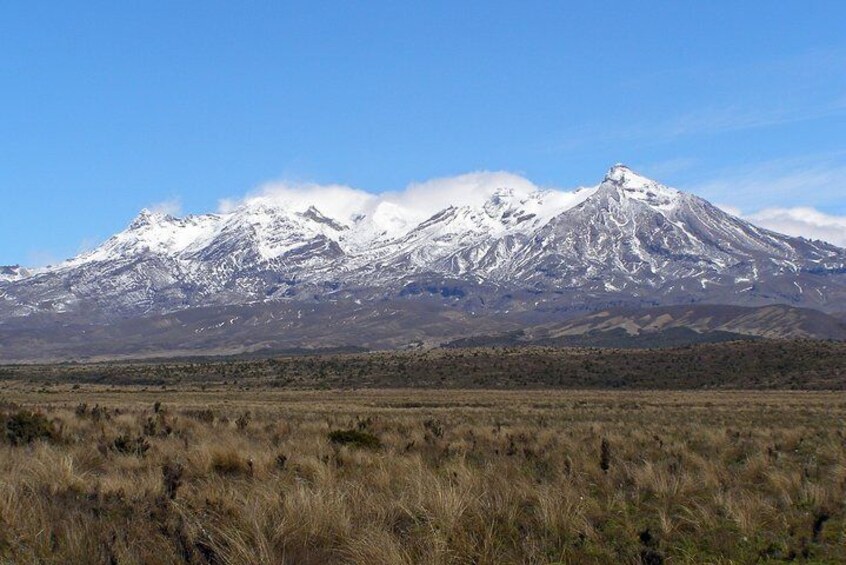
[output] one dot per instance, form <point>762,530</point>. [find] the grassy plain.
<point>141,474</point>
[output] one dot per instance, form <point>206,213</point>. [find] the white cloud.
<point>393,210</point>
<point>172,206</point>
<point>434,195</point>
<point>802,221</point>
<point>334,200</point>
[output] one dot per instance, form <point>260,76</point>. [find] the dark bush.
<point>281,460</point>
<point>150,428</point>
<point>242,421</point>
<point>206,416</point>
<point>98,413</point>
<point>128,446</point>
<point>355,438</point>
<point>25,427</point>
<point>172,478</point>
<point>435,427</point>
<point>604,455</point>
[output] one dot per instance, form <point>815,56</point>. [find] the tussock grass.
<point>459,477</point>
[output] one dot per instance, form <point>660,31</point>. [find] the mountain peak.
<point>146,217</point>
<point>500,197</point>
<point>316,215</point>
<point>639,187</point>
<point>623,176</point>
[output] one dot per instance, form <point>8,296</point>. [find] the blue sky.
<point>106,108</point>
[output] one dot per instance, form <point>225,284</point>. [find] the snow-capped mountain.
<point>627,241</point>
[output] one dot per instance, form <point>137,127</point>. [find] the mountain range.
<point>276,274</point>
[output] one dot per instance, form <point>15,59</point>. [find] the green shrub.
<point>355,438</point>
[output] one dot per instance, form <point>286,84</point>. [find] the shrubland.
<point>119,474</point>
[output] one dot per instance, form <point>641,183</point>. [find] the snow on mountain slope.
<point>264,229</point>
<point>643,189</point>
<point>628,240</point>
<point>473,240</point>
<point>13,273</point>
<point>634,233</point>
<point>152,233</point>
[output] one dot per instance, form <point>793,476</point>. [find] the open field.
<point>120,474</point>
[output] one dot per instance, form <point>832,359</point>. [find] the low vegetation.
<point>24,427</point>
<point>270,476</point>
<point>764,364</point>
<point>354,438</point>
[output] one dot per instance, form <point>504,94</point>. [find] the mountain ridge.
<point>531,254</point>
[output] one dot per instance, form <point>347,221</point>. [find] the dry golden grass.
<point>458,477</point>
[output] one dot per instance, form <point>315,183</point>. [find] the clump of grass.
<point>151,427</point>
<point>98,413</point>
<point>355,438</point>
<point>81,410</point>
<point>126,445</point>
<point>434,427</point>
<point>604,455</point>
<point>172,478</point>
<point>25,427</point>
<point>158,426</point>
<point>205,416</point>
<point>242,421</point>
<point>227,461</point>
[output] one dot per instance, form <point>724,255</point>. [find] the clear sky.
<point>108,107</point>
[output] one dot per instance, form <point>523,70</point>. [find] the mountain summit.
<point>627,242</point>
